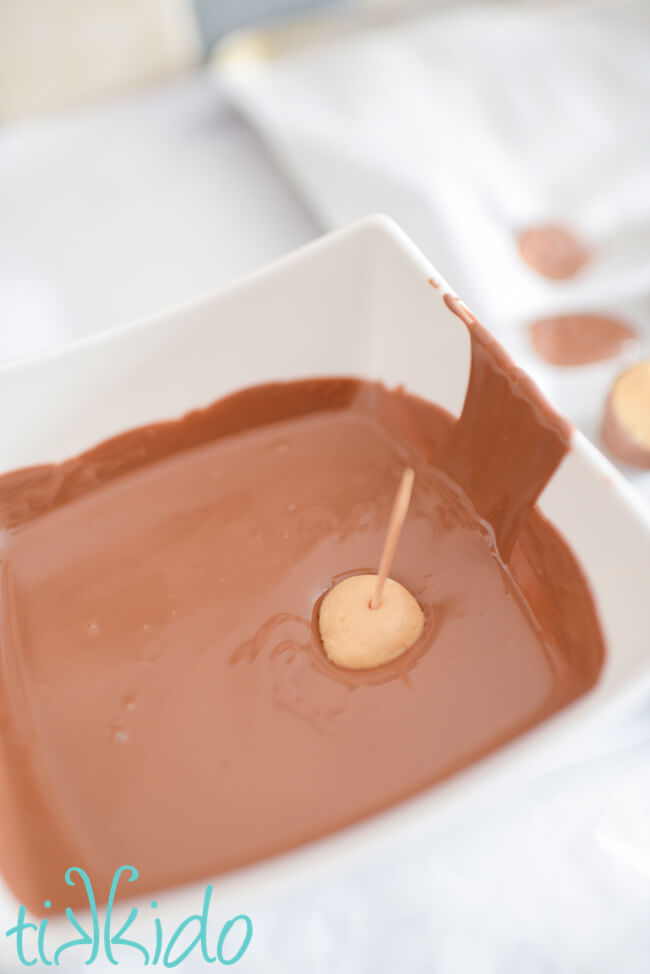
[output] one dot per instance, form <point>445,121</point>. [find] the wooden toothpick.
<point>395,524</point>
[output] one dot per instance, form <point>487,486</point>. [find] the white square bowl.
<point>357,303</point>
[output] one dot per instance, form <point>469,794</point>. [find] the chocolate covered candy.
<point>626,422</point>
<point>553,251</point>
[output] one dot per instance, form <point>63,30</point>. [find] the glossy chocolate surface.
<point>165,700</point>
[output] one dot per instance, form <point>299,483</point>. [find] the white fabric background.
<point>467,127</point>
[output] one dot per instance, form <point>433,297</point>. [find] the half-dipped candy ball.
<point>626,423</point>
<point>358,637</point>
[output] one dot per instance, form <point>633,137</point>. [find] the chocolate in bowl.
<point>358,303</point>
<point>167,702</point>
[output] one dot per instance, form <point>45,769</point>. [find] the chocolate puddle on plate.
<point>581,339</point>
<point>165,700</point>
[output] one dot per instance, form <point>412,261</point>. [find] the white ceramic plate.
<point>356,302</point>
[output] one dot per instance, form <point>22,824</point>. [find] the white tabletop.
<point>139,204</point>
<point>115,213</point>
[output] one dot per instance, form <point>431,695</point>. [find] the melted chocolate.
<point>165,698</point>
<point>508,442</point>
<point>553,251</point>
<point>580,339</point>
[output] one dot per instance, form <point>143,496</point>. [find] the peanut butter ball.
<point>626,423</point>
<point>357,637</point>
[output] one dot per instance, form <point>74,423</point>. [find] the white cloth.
<point>470,126</point>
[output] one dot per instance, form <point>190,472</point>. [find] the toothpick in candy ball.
<point>368,620</point>
<point>359,637</point>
